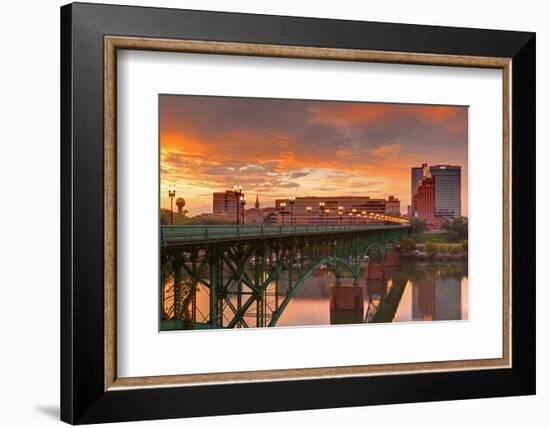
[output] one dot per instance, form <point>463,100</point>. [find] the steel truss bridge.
<point>251,273</point>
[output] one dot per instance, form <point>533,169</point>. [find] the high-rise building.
<point>424,200</point>
<point>393,205</point>
<point>447,179</point>
<point>225,203</point>
<point>417,174</point>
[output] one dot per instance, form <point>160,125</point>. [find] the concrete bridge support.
<point>391,259</point>
<point>374,271</point>
<point>346,304</point>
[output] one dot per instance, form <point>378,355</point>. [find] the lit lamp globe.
<point>180,203</point>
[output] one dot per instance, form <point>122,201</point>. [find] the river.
<point>413,291</point>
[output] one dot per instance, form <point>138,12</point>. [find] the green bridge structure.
<point>251,273</point>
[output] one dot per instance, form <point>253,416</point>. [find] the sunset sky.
<point>277,148</point>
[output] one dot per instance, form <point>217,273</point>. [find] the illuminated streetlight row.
<point>241,202</point>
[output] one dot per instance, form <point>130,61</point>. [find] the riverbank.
<point>425,247</point>
<point>442,257</point>
<point>437,251</point>
<point>432,236</point>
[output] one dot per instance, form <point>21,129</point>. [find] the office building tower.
<point>447,180</point>
<point>424,200</point>
<point>417,174</point>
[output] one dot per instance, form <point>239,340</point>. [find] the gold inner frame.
<point>113,43</point>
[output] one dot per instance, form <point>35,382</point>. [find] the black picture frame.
<point>83,398</point>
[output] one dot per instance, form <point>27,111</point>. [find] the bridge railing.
<point>176,234</point>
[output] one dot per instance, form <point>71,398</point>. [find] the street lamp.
<point>364,215</point>
<point>340,213</point>
<point>321,209</point>
<point>354,211</point>
<point>291,200</point>
<point>283,206</point>
<point>327,211</point>
<point>243,203</point>
<point>171,195</point>
<point>238,191</point>
<point>308,211</point>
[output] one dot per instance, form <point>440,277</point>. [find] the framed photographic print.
<point>291,213</point>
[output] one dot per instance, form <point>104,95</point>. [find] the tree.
<point>457,229</point>
<point>182,218</point>
<point>406,244</point>
<point>431,248</point>
<point>418,224</point>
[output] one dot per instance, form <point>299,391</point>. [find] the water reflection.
<point>412,291</point>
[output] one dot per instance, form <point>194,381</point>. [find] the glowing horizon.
<point>277,148</point>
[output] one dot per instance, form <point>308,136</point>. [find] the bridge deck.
<point>187,234</point>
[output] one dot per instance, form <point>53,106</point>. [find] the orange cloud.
<point>303,148</point>
<point>362,113</point>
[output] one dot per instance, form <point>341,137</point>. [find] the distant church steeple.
<point>257,204</point>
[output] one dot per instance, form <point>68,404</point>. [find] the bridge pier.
<point>374,271</point>
<point>346,304</point>
<point>391,259</point>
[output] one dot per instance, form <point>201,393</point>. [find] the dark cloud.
<point>299,174</point>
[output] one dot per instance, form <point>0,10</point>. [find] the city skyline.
<point>278,148</point>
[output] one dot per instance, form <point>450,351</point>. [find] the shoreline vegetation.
<point>432,246</point>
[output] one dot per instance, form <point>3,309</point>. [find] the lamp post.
<point>340,213</point>
<point>354,211</point>
<point>283,206</point>
<point>364,215</point>
<point>243,203</point>
<point>291,200</point>
<point>327,212</point>
<point>308,211</point>
<point>172,195</point>
<point>321,209</point>
<point>238,191</point>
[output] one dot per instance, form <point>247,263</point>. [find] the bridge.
<point>251,273</point>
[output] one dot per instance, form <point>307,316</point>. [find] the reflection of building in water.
<point>437,299</point>
<point>448,299</point>
<point>424,300</point>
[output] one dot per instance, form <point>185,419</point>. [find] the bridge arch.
<point>382,247</point>
<point>330,259</point>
